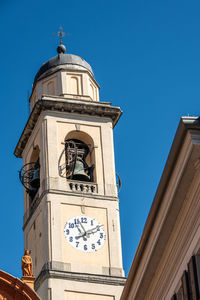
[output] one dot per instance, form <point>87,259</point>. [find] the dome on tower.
<point>67,76</point>
<point>62,62</point>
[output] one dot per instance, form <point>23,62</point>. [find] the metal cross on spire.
<point>61,34</point>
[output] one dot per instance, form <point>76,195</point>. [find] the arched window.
<point>79,156</point>
<point>35,174</point>
<point>30,175</point>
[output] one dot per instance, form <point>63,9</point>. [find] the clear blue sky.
<point>146,58</point>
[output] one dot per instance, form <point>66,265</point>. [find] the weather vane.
<point>61,34</point>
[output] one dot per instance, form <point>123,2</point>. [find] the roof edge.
<point>185,124</point>
<point>17,285</point>
<point>61,60</point>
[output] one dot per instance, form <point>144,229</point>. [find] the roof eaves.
<point>185,124</point>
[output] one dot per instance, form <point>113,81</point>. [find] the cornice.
<point>56,104</point>
<point>49,272</point>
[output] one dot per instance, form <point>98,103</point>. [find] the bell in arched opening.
<point>76,166</point>
<point>35,178</point>
<point>80,171</point>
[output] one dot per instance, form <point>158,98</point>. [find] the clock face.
<point>84,233</point>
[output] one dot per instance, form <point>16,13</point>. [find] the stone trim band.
<point>69,106</point>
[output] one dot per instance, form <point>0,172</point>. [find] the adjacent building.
<point>14,288</point>
<point>166,265</point>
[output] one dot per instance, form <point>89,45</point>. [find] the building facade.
<point>166,265</point>
<point>71,206</point>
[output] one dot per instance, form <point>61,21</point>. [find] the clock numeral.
<point>84,220</point>
<point>84,233</point>
<point>76,221</point>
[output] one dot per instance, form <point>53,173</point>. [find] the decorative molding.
<point>63,105</point>
<point>78,127</point>
<point>38,198</point>
<point>175,257</point>
<point>57,270</point>
<point>82,187</point>
<point>14,288</point>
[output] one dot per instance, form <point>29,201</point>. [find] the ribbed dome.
<point>62,61</point>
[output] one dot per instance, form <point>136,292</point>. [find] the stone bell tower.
<point>71,207</point>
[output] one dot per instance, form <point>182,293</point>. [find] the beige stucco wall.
<point>67,84</point>
<point>71,290</point>
<point>44,234</point>
<point>109,256</point>
<point>86,296</point>
<point>34,243</point>
<point>58,127</point>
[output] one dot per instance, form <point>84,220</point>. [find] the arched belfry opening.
<point>30,174</point>
<point>35,161</point>
<point>79,157</point>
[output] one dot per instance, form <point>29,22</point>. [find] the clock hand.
<point>91,230</point>
<point>78,229</point>
<point>86,233</point>
<point>81,235</point>
<point>82,226</point>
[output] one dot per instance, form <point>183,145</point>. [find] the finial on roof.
<point>61,48</point>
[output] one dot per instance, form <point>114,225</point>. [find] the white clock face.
<point>84,233</point>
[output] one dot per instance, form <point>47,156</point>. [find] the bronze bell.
<point>79,171</point>
<point>35,180</point>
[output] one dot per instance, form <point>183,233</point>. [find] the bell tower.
<point>71,207</point>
